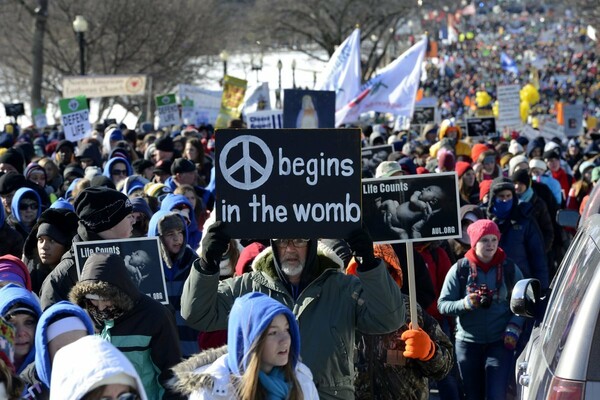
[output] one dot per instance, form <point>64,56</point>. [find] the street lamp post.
<point>257,65</point>
<point>278,93</point>
<point>80,26</point>
<point>294,73</point>
<point>224,56</point>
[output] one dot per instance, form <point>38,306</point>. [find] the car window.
<point>571,284</point>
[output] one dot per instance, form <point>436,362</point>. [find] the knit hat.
<point>499,184</point>
<point>62,203</point>
<point>164,143</point>
<point>141,205</point>
<point>521,176</point>
<point>408,166</point>
<point>537,163</point>
<point>585,165</point>
<point>505,159</point>
<point>480,228</point>
<point>484,188</point>
<point>14,270</point>
<point>387,169</point>
<point>102,181</point>
<point>65,142</point>
<point>162,167</point>
<point>250,315</point>
<point>595,174</point>
<point>33,167</point>
<point>140,165</point>
<point>157,189</point>
<point>446,160</point>
<point>46,229</point>
<point>74,169</point>
<point>181,165</point>
<point>477,149</point>
<point>515,147</point>
<point>22,308</point>
<point>552,153</point>
<point>516,160</point>
<point>100,208</point>
<point>13,157</point>
<point>91,172</point>
<point>247,256</point>
<point>422,170</point>
<point>462,167</point>
<point>522,140</point>
<point>11,182</point>
<point>171,222</point>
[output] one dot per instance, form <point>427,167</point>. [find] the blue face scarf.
<point>526,195</point>
<point>502,209</point>
<point>274,384</point>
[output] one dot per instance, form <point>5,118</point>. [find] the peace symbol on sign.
<point>246,163</point>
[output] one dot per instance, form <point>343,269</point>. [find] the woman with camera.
<point>477,292</point>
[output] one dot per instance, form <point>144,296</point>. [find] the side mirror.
<point>567,218</point>
<point>525,297</point>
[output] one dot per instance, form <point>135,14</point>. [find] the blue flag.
<point>508,64</point>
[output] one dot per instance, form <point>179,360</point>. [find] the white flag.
<point>342,72</point>
<point>393,91</point>
<point>257,99</point>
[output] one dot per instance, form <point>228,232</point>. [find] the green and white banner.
<point>168,110</point>
<point>188,113</point>
<point>39,118</point>
<point>75,116</point>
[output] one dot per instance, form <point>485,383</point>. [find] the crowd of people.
<point>283,318</point>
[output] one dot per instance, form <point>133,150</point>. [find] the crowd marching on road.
<point>298,318</point>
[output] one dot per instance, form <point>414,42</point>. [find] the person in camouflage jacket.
<point>387,367</point>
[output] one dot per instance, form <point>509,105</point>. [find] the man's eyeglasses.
<point>122,396</point>
<point>283,243</point>
<point>119,172</point>
<point>28,206</point>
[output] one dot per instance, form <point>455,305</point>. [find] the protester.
<point>477,292</point>
<point>104,214</point>
<point>26,208</point>
<point>141,327</point>
<point>330,306</point>
<point>92,368</point>
<point>262,358</point>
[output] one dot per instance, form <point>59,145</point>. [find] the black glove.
<point>214,245</point>
<point>361,244</point>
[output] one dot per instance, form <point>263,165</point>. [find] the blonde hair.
<point>249,387</point>
<point>13,384</point>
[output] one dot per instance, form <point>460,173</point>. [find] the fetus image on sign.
<point>408,219</point>
<point>136,264</point>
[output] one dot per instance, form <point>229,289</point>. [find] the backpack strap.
<point>463,271</point>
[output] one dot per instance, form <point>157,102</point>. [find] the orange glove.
<point>418,345</point>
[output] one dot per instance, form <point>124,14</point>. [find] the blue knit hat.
<point>250,315</point>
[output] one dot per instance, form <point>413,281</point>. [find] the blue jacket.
<point>12,294</point>
<point>171,202</point>
<point>478,325</point>
<point>43,366</point>
<point>176,273</point>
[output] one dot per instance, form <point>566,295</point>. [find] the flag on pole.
<point>392,91</point>
<point>342,72</point>
<point>508,64</point>
<point>257,99</point>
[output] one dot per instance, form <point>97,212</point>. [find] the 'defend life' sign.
<point>288,183</point>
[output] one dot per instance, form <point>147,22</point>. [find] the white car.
<point>562,357</point>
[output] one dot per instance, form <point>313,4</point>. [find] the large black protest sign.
<point>481,127</point>
<point>142,260</point>
<point>412,208</point>
<point>423,115</point>
<point>288,183</point>
<point>14,110</point>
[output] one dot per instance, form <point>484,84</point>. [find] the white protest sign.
<point>104,86</point>
<point>573,119</point>
<point>207,103</point>
<point>168,110</point>
<point>75,116</point>
<point>269,119</point>
<point>39,118</point>
<point>509,101</point>
<point>188,113</point>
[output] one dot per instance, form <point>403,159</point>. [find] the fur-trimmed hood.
<point>107,277</point>
<point>189,375</point>
<point>326,259</point>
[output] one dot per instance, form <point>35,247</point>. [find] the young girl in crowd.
<point>262,362</point>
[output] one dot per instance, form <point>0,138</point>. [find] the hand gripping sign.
<point>288,183</point>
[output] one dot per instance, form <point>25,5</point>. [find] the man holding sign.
<point>296,269</point>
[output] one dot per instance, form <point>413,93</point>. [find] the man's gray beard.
<point>292,271</point>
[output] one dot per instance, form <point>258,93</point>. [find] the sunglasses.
<point>119,172</point>
<point>122,396</point>
<point>28,206</point>
<point>283,243</point>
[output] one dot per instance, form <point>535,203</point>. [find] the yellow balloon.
<point>495,109</point>
<point>482,98</point>
<point>524,108</point>
<point>529,94</point>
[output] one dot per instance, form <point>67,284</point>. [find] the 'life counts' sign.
<point>288,183</point>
